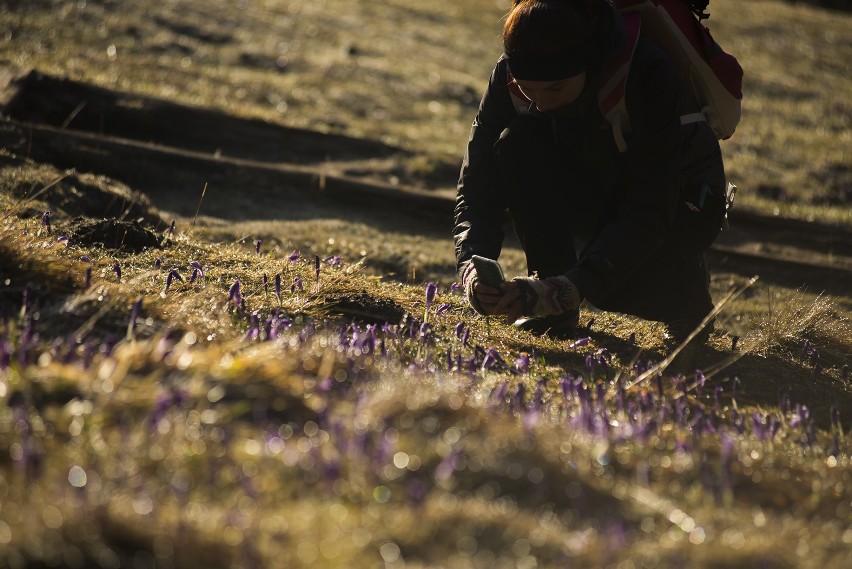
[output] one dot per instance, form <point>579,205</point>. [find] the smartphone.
<point>488,271</point>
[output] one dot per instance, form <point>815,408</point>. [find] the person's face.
<point>550,95</point>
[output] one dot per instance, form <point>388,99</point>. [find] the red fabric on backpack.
<point>713,77</point>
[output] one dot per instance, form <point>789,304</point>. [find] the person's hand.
<point>487,298</point>
<point>511,302</point>
<point>530,296</point>
<point>483,298</point>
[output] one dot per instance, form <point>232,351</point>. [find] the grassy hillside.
<point>411,74</point>
<point>276,379</point>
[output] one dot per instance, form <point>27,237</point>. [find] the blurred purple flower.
<point>45,221</point>
<point>522,364</point>
<point>294,256</point>
<point>63,239</point>
<point>835,446</point>
<point>333,261</point>
<point>297,285</point>
<point>86,259</point>
<point>445,469</point>
<point>579,343</point>
<point>257,245</point>
<point>134,315</point>
<point>87,279</point>
<point>193,276</point>
<point>455,287</point>
<point>117,270</point>
<point>834,416</point>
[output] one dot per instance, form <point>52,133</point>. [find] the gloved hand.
<point>530,296</point>
<point>481,297</point>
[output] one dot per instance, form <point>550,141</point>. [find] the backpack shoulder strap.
<point>613,83</point>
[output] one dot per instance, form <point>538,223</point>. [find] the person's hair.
<point>544,27</point>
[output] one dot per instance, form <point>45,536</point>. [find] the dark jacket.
<point>628,199</point>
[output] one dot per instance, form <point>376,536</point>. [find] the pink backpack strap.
<point>613,84</point>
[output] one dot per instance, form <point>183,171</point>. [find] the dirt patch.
<point>71,193</point>
<point>129,236</point>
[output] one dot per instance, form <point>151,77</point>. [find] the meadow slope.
<point>205,364</point>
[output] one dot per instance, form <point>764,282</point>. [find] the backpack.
<point>712,77</point>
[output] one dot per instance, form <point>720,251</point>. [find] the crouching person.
<point>623,227</point>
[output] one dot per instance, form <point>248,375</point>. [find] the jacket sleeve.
<point>647,190</point>
<point>479,204</point>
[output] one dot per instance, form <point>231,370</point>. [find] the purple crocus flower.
<point>234,293</point>
<point>86,259</point>
<point>298,285</point>
<point>87,280</point>
<point>158,264</point>
<point>62,239</point>
<point>193,276</point>
<point>198,271</point>
<point>278,286</point>
<point>45,221</point>
<point>293,257</point>
<point>265,284</point>
<point>171,230</point>
<point>455,287</point>
<point>431,290</point>
<point>173,275</point>
<point>117,270</point>
<point>579,343</point>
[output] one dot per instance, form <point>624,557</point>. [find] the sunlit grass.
<point>325,424</point>
<point>251,435</point>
